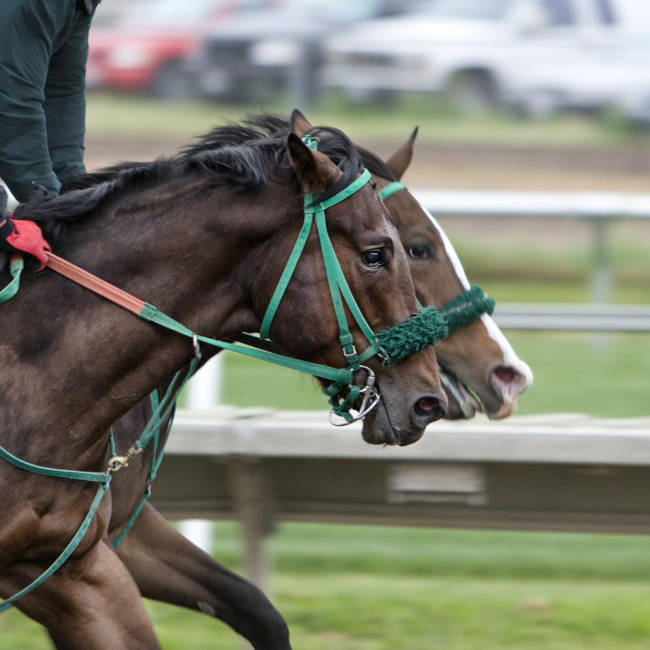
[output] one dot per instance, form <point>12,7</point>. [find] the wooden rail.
<point>551,472</point>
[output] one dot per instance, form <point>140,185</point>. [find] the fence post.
<point>203,391</point>
<point>250,493</point>
<point>601,275</point>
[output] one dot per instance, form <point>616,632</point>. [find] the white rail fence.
<point>547,472</point>
<point>599,209</point>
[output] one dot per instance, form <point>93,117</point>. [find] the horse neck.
<point>73,363</point>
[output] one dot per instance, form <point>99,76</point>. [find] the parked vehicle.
<point>253,55</point>
<point>145,50</point>
<point>536,55</point>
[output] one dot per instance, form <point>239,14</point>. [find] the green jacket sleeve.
<point>65,102</point>
<point>43,49</point>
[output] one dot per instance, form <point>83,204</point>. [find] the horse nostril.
<point>429,408</point>
<point>505,374</point>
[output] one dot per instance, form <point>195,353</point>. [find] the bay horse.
<point>169,568</point>
<point>204,238</point>
<point>164,564</point>
<point>480,370</point>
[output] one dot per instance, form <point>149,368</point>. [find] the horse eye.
<point>420,252</point>
<point>373,258</point>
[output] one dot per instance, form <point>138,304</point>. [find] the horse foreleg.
<point>91,603</point>
<point>169,568</point>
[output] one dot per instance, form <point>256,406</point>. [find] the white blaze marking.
<point>510,358</point>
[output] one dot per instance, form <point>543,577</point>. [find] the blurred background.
<point>545,100</point>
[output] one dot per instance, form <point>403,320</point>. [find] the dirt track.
<point>456,166</point>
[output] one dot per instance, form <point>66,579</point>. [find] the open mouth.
<point>463,401</point>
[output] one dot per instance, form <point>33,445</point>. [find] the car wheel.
<point>172,82</point>
<point>472,91</point>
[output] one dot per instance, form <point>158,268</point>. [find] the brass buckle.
<point>116,463</point>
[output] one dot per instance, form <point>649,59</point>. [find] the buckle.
<point>352,354</point>
<point>371,397</point>
<point>116,463</point>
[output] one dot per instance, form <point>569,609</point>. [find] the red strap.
<point>95,284</point>
<point>27,237</point>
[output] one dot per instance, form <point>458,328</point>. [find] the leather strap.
<point>95,284</point>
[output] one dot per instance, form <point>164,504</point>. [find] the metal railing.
<point>599,209</point>
<point>573,317</point>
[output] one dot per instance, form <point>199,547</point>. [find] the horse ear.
<point>401,159</point>
<point>299,123</point>
<point>314,170</point>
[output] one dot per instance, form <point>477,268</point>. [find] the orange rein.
<point>94,284</point>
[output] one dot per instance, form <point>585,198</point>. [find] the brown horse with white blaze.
<point>480,369</point>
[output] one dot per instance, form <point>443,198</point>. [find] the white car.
<point>538,55</point>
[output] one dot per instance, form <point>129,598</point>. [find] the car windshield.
<point>483,10</point>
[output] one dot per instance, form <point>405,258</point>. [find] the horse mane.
<point>268,125</point>
<point>243,157</point>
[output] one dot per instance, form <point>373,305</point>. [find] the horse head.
<point>480,369</point>
<point>375,267</point>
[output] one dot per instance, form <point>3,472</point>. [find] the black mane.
<point>242,156</point>
<point>268,125</point>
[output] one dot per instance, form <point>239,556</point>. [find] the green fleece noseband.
<point>429,325</point>
<point>422,329</point>
<point>466,308</point>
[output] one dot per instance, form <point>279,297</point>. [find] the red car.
<point>145,51</point>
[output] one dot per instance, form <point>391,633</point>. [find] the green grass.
<point>606,375</point>
<point>145,116</point>
<point>379,588</point>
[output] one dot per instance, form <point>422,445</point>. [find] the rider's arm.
<point>28,36</point>
<point>65,102</point>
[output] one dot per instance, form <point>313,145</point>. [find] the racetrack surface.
<point>449,166</point>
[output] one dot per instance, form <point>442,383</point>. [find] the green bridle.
<point>390,189</point>
<point>422,329</point>
<point>390,345</point>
